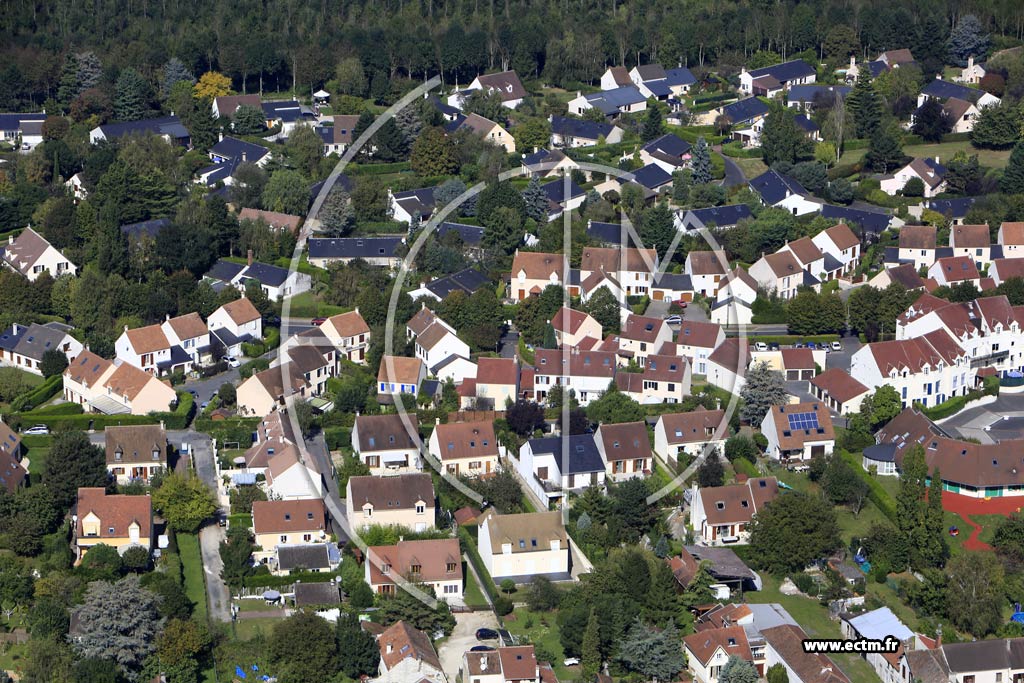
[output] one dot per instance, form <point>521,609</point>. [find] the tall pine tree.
<point>935,552</point>
<point>652,125</point>
<point>910,499</point>
<point>865,104</point>
<point>131,95</point>
<point>1012,181</point>
<point>536,200</point>
<point>701,163</point>
<point>590,649</point>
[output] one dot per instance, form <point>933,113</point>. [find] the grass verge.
<point>192,569</point>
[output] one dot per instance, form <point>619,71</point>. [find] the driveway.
<point>973,421</point>
<point>463,638</point>
<point>733,174</point>
<point>207,387</point>
<point>841,359</point>
<point>508,344</point>
<point>321,456</point>
<point>218,598</point>
<point>657,309</point>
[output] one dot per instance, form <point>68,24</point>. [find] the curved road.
<point>733,174</point>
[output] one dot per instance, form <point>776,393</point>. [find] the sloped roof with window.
<point>466,440</point>
<point>399,492</point>
<point>136,444</point>
<point>422,561</point>
<point>731,640</point>
<point>288,516</point>
<point>386,432</point>
<point>525,532</point>
<point>625,441</point>
<point>697,426</point>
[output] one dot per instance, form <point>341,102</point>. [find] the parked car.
<point>761,346</point>
<point>486,634</point>
<point>812,346</point>
<point>836,346</point>
<point>674,320</point>
<point>37,430</point>
<point>481,648</point>
<point>317,322</point>
<point>231,361</point>
<point>204,405</point>
<point>798,345</point>
<point>681,303</point>
<point>571,661</point>
<point>773,346</point>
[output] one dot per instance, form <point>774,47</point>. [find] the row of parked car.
<point>824,346</point>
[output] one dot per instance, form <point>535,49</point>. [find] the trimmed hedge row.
<point>38,395</point>
<point>378,169</point>
<point>876,493</point>
<point>714,97</point>
<point>737,150</point>
<point>469,545</point>
<point>953,405</point>
<point>271,581</point>
<point>178,419</point>
<point>271,339</point>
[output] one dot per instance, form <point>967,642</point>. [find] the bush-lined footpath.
<point>469,546</point>
<point>178,419</point>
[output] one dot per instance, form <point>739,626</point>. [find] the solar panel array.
<point>803,421</point>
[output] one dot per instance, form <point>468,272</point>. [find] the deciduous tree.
<point>792,531</point>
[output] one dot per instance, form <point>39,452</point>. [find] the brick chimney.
<point>248,257</point>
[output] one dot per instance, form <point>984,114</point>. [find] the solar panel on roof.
<point>803,420</point>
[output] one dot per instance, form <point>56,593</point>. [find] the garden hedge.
<point>38,395</point>
<point>178,419</point>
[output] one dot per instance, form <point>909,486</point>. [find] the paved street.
<point>733,174</point>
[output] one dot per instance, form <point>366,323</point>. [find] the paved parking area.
<point>841,359</point>
<point>463,638</point>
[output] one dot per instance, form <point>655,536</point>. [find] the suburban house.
<point>101,386</point>
<point>572,132</point>
<point>311,359</point>
<point>406,654</point>
<point>690,433</point>
<point>234,323</point>
<point>903,274</point>
<point>1002,269</point>
<point>929,171</point>
<point>465,448</point>
<point>640,337</point>
<point>23,346</point>
<point>838,390</point>
<point>436,563</point>
<point>227,155</point>
<point>533,271</point>
<point>623,100</point>
<point>706,269</point>
<point>672,287</point>
<point>22,129</point>
<point>625,449</point>
<point>291,477</point>
<point>727,365</point>
<point>266,391</point>
<point>572,327</point>
<point>169,128</point>
<point>781,273</point>
<point>287,522</point>
<point>548,163</point>
<point>148,349</point>
<point>438,343</point>
<point>841,244</point>
<point>411,205</point>
<point>772,80</point>
<point>273,219</point>
<point>812,260</point>
<point>273,433</point>
<point>972,241</point>
<point>587,373</point>
<point>337,137</point>
<point>553,465</point>
<point>722,514</point>
<point>399,375</point>
<point>467,280</point>
<point>12,472</point>
<point>119,521</point>
<point>666,379</point>
<point>669,152</point>
<point>31,255</point>
<point>694,220</point>
<point>563,195</point>
<point>807,98</point>
<point>404,500</point>
<point>491,132</point>
<point>746,119</point>
<point>972,73</point>
<point>917,245</point>
<point>658,82</point>
<point>387,444</point>
<point>497,382</point>
<point>697,341</point>
<point>953,209</point>
<point>798,432</point>
<point>522,546</point>
<point>784,644</point>
<point>871,222</point>
<point>782,191</point>
<point>189,333</point>
<point>350,335</point>
<point>277,283</point>
<point>879,624</point>
<point>288,114</point>
<point>707,651</point>
<point>136,452</point>
<point>225,106</point>
<point>952,270</point>
<point>381,251</point>
<point>516,664</point>
<point>929,368</point>
<point>944,90</point>
<point>737,292</point>
<point>631,268</point>
<point>506,84</point>
<point>1011,238</point>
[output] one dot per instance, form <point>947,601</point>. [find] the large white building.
<point>522,546</point>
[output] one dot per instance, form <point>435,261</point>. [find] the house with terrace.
<point>505,84</point>
<point>23,346</point>
<point>436,563</point>
<point>289,523</point>
<point>555,465</point>
<point>31,255</point>
<point>665,379</point>
<point>119,521</point>
<point>689,434</point>
<point>522,546</point>
<point>99,385</point>
<point>403,500</point>
<point>573,132</point>
<point>722,514</point>
<point>773,80</point>
<point>136,452</point>
<point>387,444</point>
<point>625,449</point>
<point>383,251</point>
<point>465,448</point>
<point>798,432</point>
<point>586,372</point>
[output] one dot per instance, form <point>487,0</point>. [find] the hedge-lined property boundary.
<point>487,583</point>
<point>876,494</point>
<point>38,395</point>
<point>178,419</point>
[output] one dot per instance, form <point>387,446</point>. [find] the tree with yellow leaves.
<point>212,84</point>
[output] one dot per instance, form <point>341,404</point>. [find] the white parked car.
<point>836,346</point>
<point>231,361</point>
<point>761,346</point>
<point>37,430</point>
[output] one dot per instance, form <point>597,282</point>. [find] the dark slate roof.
<point>578,128</point>
<point>272,276</point>
<point>229,338</point>
<point>806,124</point>
<point>831,262</point>
<point>218,172</point>
<point>809,93</point>
<point>954,208</point>
<point>652,176</point>
<point>943,90</point>
<point>288,111</point>
<point>877,68</point>
<point>538,157</point>
<point>443,107</point>
<point>679,76</point>
<point>610,101</point>
<point>583,454</point>
<point>610,233</point>
<point>315,594</point>
<point>14,122</point>
<point>178,356</point>
<point>224,270</point>
<point>772,186</point>
<point>786,71</point>
<point>312,556</point>
<point>31,341</point>
<point>882,452</point>
<point>342,182</point>
<point>353,247</point>
<point>421,200</point>
<point>470,234</point>
<point>233,148</point>
<point>457,120</point>
<point>869,221</point>
<point>678,282</point>
<point>467,281</point>
<point>555,190</point>
<point>721,216</point>
<point>165,125</point>
<point>745,110</point>
<point>658,88</point>
<point>150,227</point>
<point>892,256</point>
<point>669,144</point>
<point>936,167</point>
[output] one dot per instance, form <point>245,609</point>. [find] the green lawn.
<point>813,618</point>
<point>474,595</point>
<point>247,629</point>
<point>541,629</point>
<point>192,568</point>
<point>991,158</point>
<point>310,305</point>
<point>751,167</point>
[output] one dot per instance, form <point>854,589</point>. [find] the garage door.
<point>686,296</point>
<point>792,374</point>
<point>808,374</point>
<point>658,295</point>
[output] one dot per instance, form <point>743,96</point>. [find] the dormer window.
<point>118,454</point>
<point>720,505</point>
<point>110,530</point>
<point>450,567</point>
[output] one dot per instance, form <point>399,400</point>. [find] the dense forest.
<point>292,44</point>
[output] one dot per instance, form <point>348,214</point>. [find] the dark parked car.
<point>481,648</point>
<point>486,634</point>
